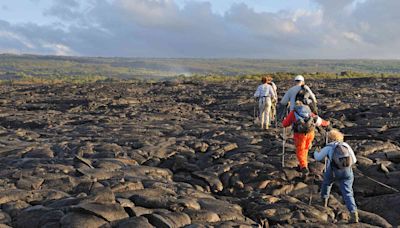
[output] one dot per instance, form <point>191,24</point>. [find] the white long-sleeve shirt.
<point>328,151</point>
<point>275,89</point>
<point>265,90</point>
<point>290,95</point>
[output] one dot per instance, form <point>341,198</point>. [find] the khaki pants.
<point>264,107</point>
<point>273,110</point>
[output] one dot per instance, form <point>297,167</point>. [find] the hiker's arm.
<point>311,94</point>
<point>319,156</point>
<point>257,93</point>
<point>321,122</point>
<point>289,119</point>
<point>285,98</point>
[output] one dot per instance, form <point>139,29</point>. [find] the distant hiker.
<point>274,101</point>
<point>265,94</point>
<point>303,123</point>
<point>339,167</point>
<point>298,92</point>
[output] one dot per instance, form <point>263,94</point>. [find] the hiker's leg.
<point>261,111</point>
<point>273,110</point>
<point>301,149</point>
<point>267,111</point>
<point>346,187</point>
<point>309,139</point>
<point>327,184</point>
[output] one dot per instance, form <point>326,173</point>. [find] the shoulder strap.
<point>333,150</point>
<point>297,114</point>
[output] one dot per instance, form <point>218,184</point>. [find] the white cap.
<point>299,78</point>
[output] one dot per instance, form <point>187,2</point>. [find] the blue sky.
<point>281,29</point>
<point>16,11</point>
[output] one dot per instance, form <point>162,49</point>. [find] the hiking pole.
<point>283,147</point>
<point>326,143</point>
<point>311,191</point>
<point>254,112</point>
<point>276,114</point>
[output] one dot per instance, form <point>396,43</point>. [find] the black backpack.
<point>304,122</point>
<point>341,157</point>
<point>305,97</point>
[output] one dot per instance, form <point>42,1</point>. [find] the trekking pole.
<point>254,112</point>
<point>326,143</point>
<point>311,191</point>
<point>276,114</point>
<point>283,147</point>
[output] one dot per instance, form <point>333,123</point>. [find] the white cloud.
<point>58,49</point>
<point>13,36</point>
<point>352,37</point>
<point>163,28</point>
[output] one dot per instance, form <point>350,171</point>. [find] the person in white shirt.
<point>265,93</point>
<point>341,173</point>
<point>290,96</point>
<point>274,101</point>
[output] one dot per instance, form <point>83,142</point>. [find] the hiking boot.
<point>354,217</point>
<point>305,171</point>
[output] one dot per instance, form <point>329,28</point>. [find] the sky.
<point>273,29</point>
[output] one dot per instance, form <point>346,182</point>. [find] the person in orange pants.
<point>303,123</point>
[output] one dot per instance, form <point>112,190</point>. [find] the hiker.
<point>298,92</point>
<point>265,94</point>
<point>340,159</point>
<point>303,123</point>
<point>274,101</point>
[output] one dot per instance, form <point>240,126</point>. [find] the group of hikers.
<point>298,109</point>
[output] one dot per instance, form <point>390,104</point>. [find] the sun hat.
<point>299,78</point>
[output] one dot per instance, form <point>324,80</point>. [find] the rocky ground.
<point>174,154</point>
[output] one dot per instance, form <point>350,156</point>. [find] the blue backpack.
<point>304,123</point>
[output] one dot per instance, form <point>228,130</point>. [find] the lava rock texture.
<point>186,154</point>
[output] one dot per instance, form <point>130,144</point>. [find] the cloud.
<point>162,28</point>
<point>67,10</point>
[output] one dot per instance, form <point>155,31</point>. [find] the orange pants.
<point>303,144</point>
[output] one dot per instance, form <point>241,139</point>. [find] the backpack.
<point>341,157</point>
<point>304,96</point>
<point>304,123</point>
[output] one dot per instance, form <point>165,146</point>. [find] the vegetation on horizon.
<point>288,76</point>
<point>56,69</point>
